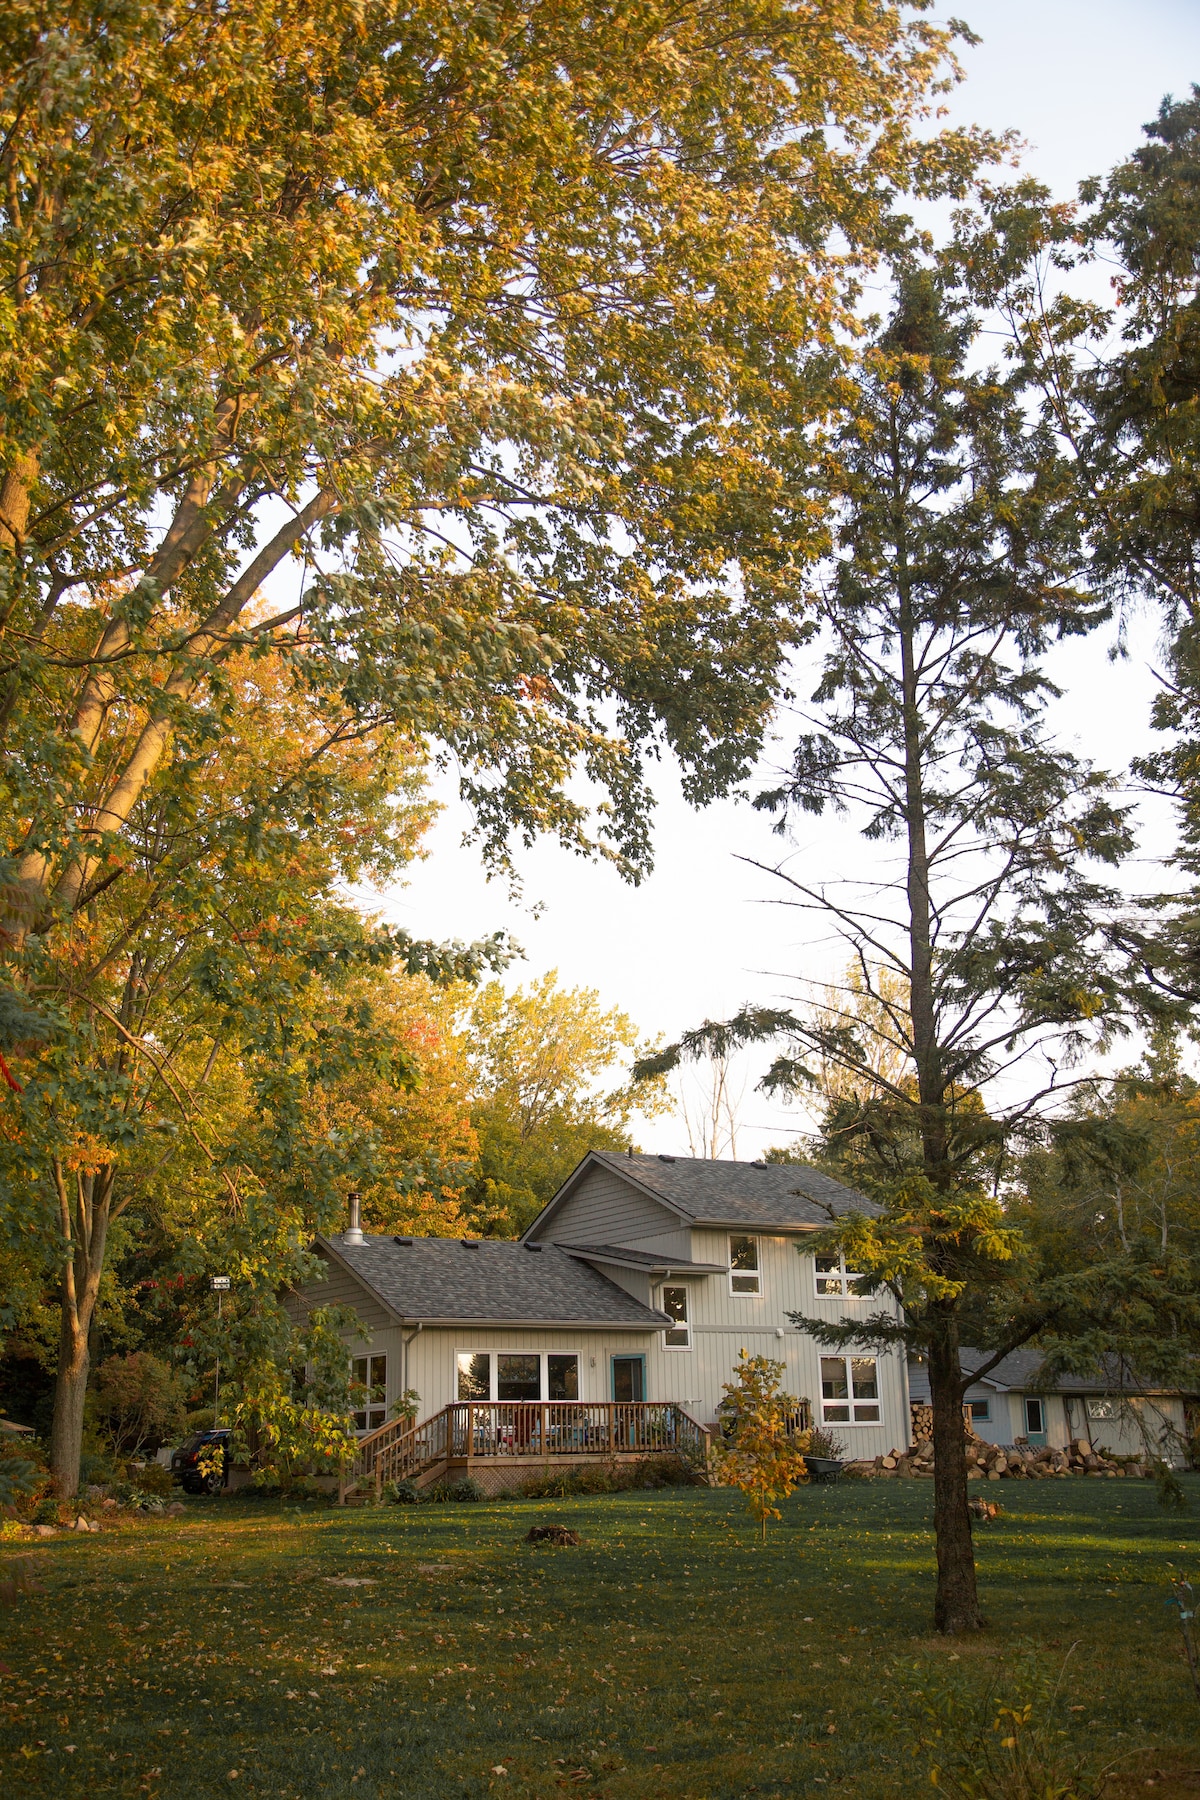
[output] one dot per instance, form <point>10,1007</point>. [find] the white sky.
<point>1077,79</point>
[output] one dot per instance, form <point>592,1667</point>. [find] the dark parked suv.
<point>191,1467</point>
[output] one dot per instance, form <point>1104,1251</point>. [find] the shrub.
<point>96,1469</point>
<point>403,1493</point>
<point>466,1488</point>
<point>46,1511</point>
<point>823,1442</point>
<point>19,1479</point>
<point>154,1479</point>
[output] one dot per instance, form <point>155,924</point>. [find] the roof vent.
<point>406,1242</point>
<point>469,1243</point>
<point>663,1158</point>
<point>758,1165</point>
<point>534,1249</point>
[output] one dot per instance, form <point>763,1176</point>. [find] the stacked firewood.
<point>994,1462</point>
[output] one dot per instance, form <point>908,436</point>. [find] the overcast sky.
<point>1077,79</point>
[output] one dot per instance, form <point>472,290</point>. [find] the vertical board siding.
<point>339,1288</point>
<point>432,1357</point>
<point>605,1209</point>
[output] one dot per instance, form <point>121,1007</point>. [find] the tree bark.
<point>84,1227</point>
<point>956,1602</point>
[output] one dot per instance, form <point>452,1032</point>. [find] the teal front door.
<point>1035,1421</point>
<point>629,1378</point>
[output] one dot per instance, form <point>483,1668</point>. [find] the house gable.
<point>341,1287</point>
<point>599,1204</point>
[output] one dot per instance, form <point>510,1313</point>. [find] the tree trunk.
<point>84,1228</point>
<point>70,1391</point>
<point>956,1603</point>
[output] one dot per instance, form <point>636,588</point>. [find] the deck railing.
<point>479,1430</point>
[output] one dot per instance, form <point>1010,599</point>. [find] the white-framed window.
<point>369,1378</point>
<point>849,1390</point>
<point>1103,1408</point>
<point>678,1335</point>
<point>745,1276</point>
<point>979,1409</point>
<point>517,1375</point>
<point>833,1279</point>
<point>562,1375</point>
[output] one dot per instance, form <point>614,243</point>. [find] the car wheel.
<point>212,1484</point>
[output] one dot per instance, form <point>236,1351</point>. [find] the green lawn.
<point>667,1656</point>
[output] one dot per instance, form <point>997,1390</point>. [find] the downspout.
<point>405,1342</point>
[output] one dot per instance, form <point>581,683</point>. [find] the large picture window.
<point>834,1279</point>
<point>675,1304</point>
<point>517,1375</point>
<point>369,1376</point>
<point>745,1276</point>
<point>849,1390</point>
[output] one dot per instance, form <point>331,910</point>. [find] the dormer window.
<point>834,1279</point>
<point>745,1276</point>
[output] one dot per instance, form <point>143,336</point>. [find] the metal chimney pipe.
<point>354,1234</point>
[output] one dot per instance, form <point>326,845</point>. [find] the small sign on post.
<point>220,1284</point>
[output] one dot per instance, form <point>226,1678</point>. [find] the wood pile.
<point>996,1462</point>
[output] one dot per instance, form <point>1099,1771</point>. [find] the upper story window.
<point>675,1304</point>
<point>834,1279</point>
<point>745,1277</point>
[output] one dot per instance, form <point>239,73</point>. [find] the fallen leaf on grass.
<point>348,1580</point>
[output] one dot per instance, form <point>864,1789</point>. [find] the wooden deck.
<point>498,1442</point>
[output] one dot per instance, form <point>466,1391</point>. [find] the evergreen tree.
<point>956,565</point>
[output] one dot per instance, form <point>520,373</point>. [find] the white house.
<point>637,1284</point>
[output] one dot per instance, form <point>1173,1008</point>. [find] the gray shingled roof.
<point>493,1281</point>
<point>709,1192</point>
<point>1020,1370</point>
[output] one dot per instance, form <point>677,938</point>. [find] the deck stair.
<point>497,1441</point>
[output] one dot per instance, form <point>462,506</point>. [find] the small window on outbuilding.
<point>981,1410</point>
<point>745,1277</point>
